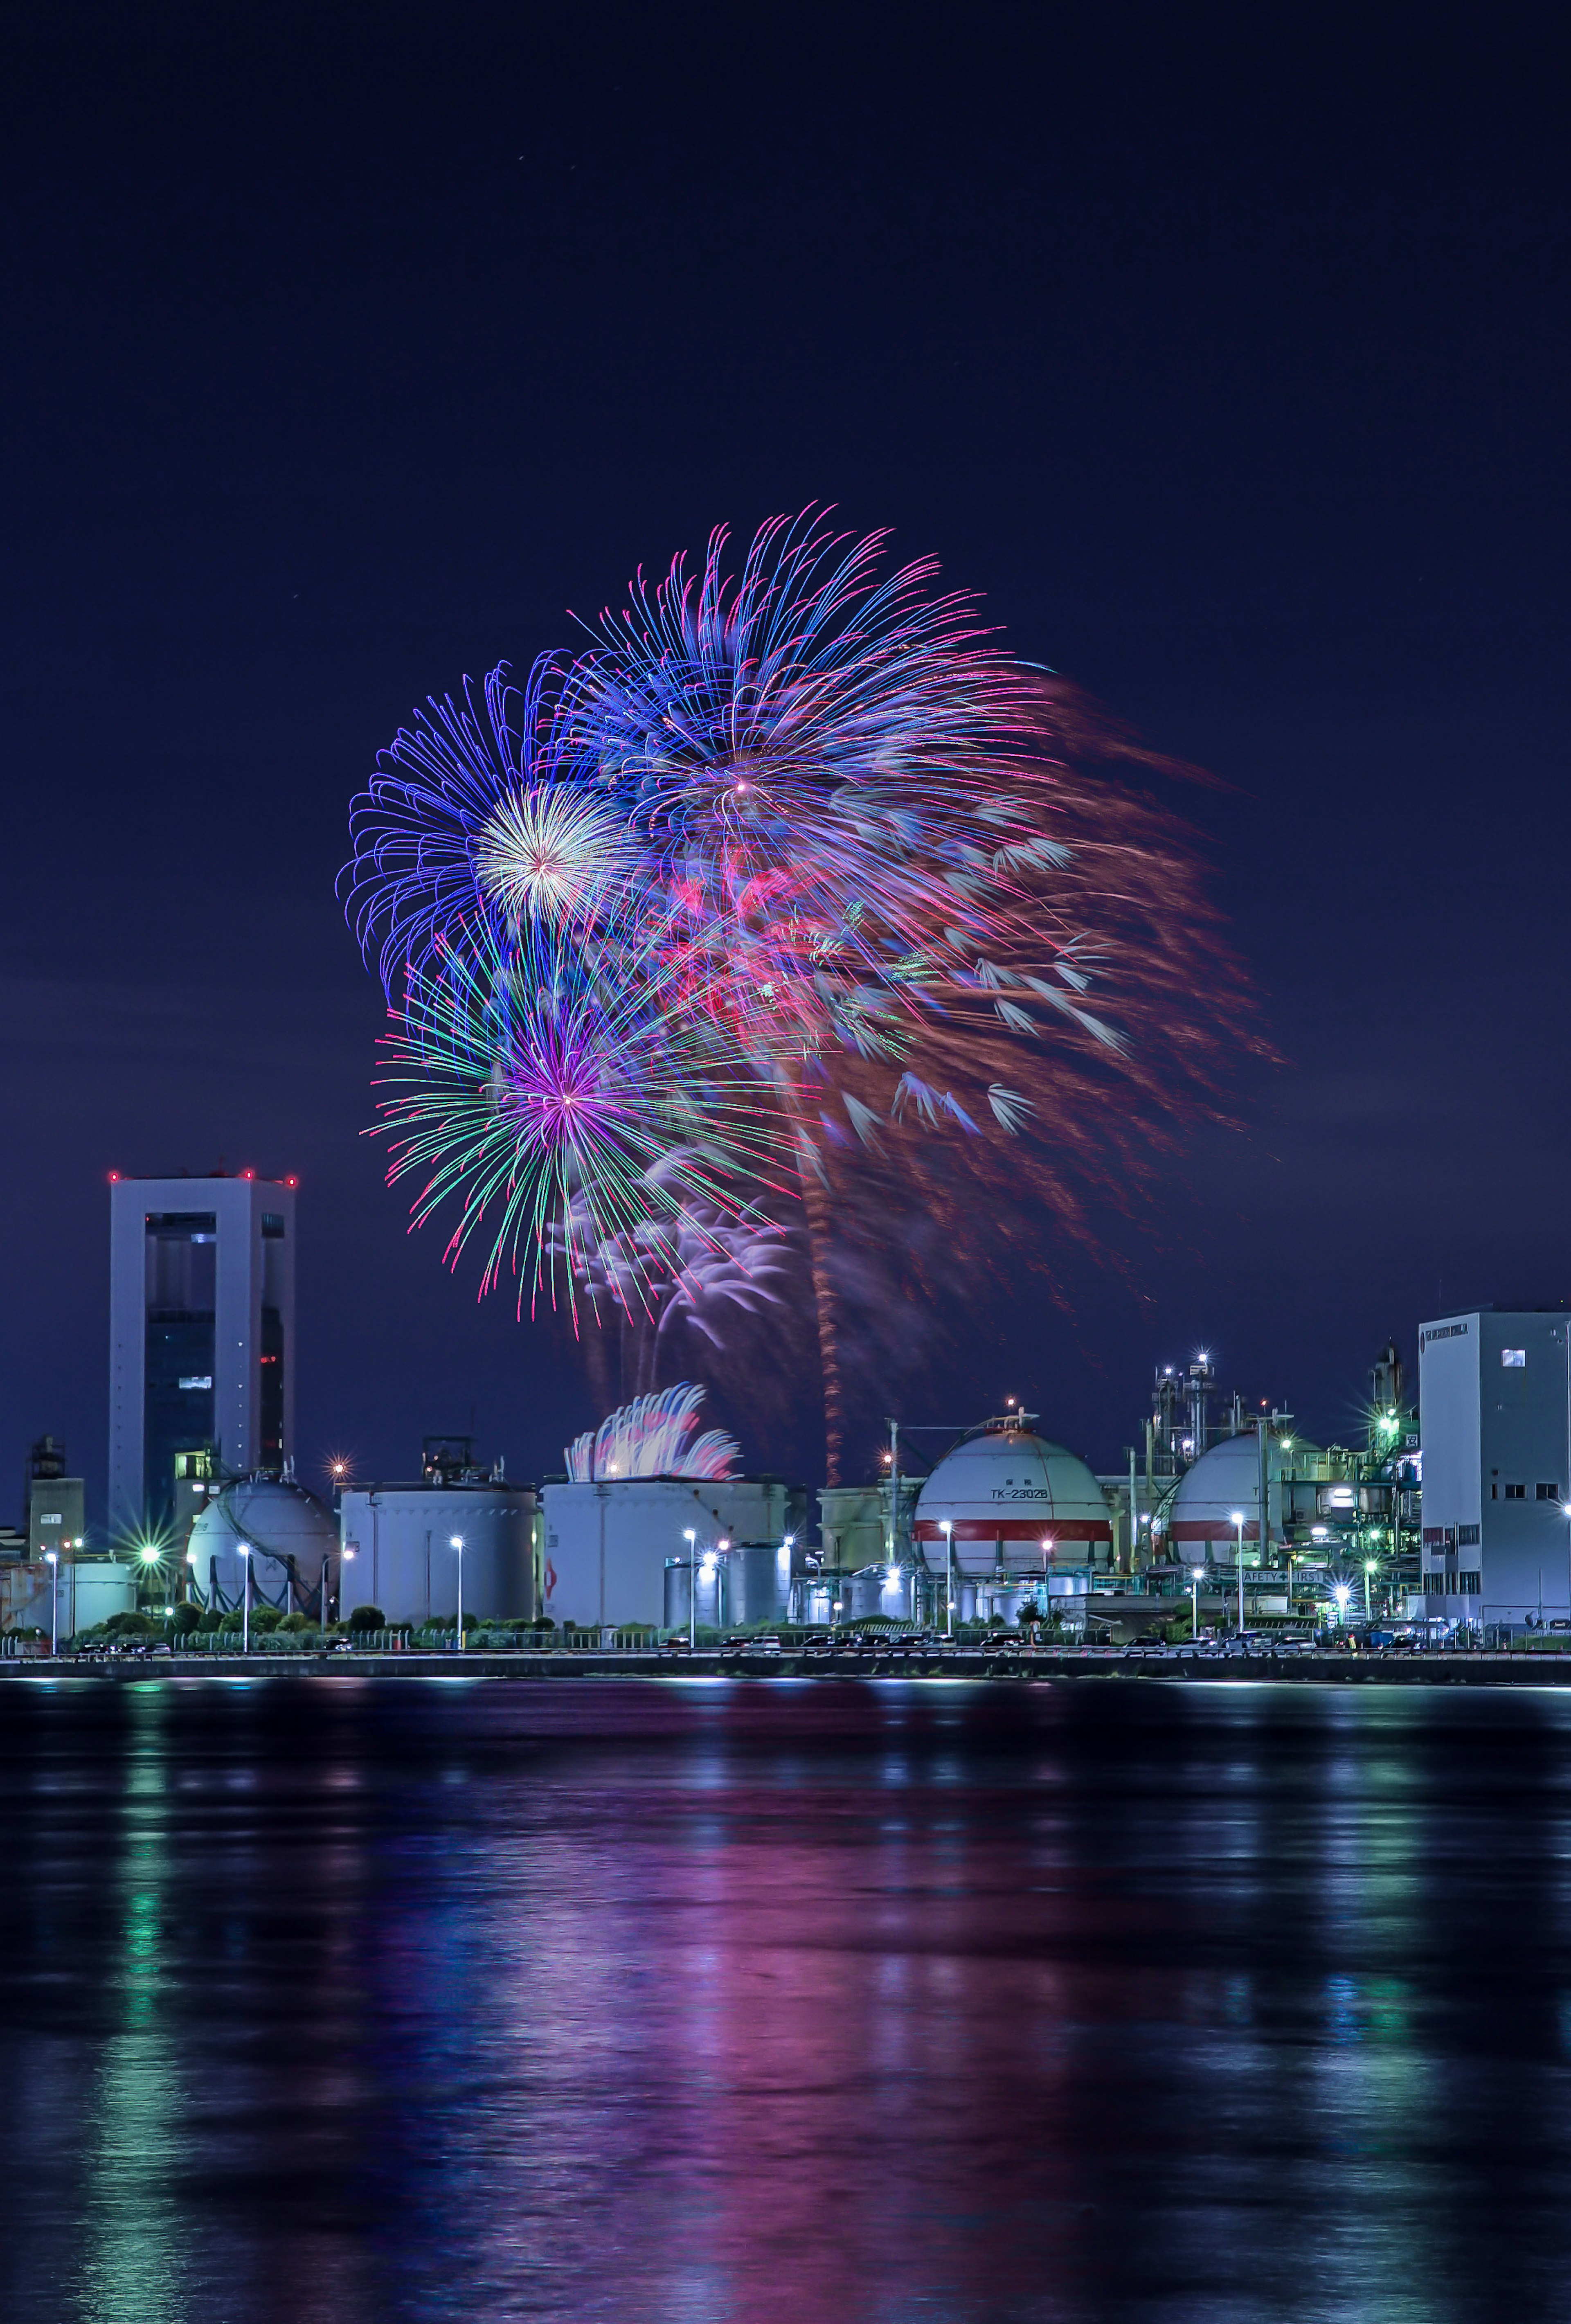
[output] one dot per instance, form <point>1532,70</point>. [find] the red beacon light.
<point>291,1181</point>
<point>248,1174</point>
<point>113,1177</point>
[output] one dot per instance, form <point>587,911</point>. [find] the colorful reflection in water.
<point>696,2003</point>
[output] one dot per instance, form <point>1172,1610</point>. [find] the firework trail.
<point>658,1279</point>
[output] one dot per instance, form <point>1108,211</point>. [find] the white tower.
<point>202,1333</point>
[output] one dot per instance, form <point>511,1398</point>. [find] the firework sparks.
<point>653,1436</point>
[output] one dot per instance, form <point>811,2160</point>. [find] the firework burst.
<point>794,878</point>
<point>564,1109</point>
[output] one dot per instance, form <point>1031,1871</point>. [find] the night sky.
<point>344,353</point>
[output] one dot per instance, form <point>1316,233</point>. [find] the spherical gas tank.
<point>1199,1521</point>
<point>285,1528</point>
<point>1015,1502</point>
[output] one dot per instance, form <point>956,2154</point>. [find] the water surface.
<point>713,2000</point>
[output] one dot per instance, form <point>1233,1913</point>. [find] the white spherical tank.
<point>1199,1522</point>
<point>1015,1503</point>
<point>287,1531</point>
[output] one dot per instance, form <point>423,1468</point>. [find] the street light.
<point>1235,1517</point>
<point>54,1611</point>
<point>946,1527</point>
<point>689,1536</point>
<point>1371,1567</point>
<point>1197,1573</point>
<point>1341,1593</point>
<point>455,1541</point>
<point>245,1600</point>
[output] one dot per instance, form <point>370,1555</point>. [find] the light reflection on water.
<point>337,2000</point>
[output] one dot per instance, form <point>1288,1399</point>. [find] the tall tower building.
<point>202,1334</point>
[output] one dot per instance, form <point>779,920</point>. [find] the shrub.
<point>296,1622</point>
<point>265,1618</point>
<point>367,1617</point>
<point>185,1620</point>
<point>132,1625</point>
<point>212,1619</point>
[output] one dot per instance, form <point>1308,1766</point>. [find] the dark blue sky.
<point>346,351</point>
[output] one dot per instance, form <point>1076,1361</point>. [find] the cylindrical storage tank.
<point>608,1543</point>
<point>90,1593</point>
<point>1017,1503</point>
<point>398,1553</point>
<point>713,1593</point>
<point>288,1534</point>
<point>759,1577</point>
<point>889,1591</point>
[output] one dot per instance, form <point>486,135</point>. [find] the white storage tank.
<point>90,1591</point>
<point>607,1544</point>
<point>288,1531</point>
<point>1198,1526</point>
<point>397,1552</point>
<point>1017,1503</point>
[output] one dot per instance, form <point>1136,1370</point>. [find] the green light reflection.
<point>132,2267</point>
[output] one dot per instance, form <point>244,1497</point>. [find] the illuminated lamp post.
<point>53,1557</point>
<point>1341,1593</point>
<point>245,1600</point>
<point>1237,1517</point>
<point>947,1527</point>
<point>1195,1574</point>
<point>690,1537</point>
<point>455,1541</point>
<point>1371,1568</point>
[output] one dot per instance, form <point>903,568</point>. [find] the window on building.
<point>1513,1360</point>
<point>1467,1585</point>
<point>1468,1537</point>
<point>1516,1492</point>
<point>1548,1492</point>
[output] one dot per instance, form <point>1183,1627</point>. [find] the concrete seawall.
<point>898,1661</point>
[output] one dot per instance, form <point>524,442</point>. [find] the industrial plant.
<point>1225,1516</point>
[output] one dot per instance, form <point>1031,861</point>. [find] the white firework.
<point>653,1436</point>
<point>554,854</point>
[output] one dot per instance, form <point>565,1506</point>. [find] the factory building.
<point>202,1325</point>
<point>608,1542</point>
<point>55,1503</point>
<point>1495,1392</point>
<point>402,1545</point>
